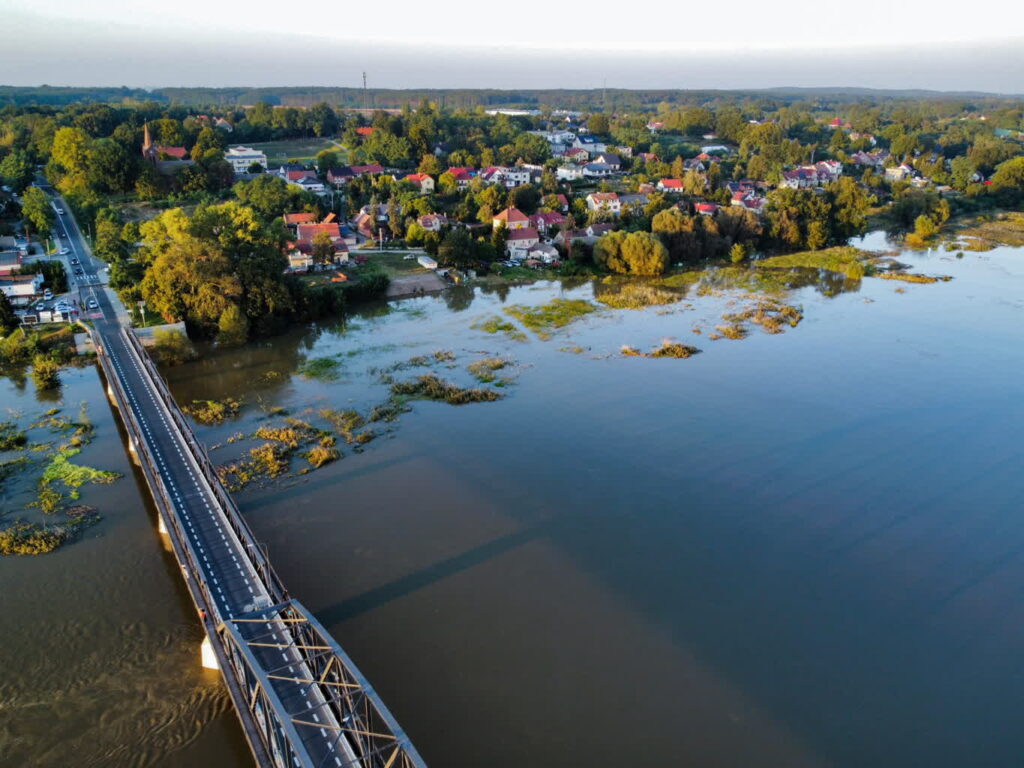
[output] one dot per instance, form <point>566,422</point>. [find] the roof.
<point>610,157</point>
<point>366,130</point>
<point>510,215</point>
<point>525,233</point>
<point>359,170</point>
<point>296,175</point>
<point>418,178</point>
<point>548,217</point>
<point>604,197</point>
<point>671,183</point>
<point>306,232</point>
<point>178,153</point>
<point>299,218</point>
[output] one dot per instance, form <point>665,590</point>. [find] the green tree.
<point>232,327</point>
<point>635,253</point>
<point>326,160</point>
<point>8,319</point>
<point>323,248</point>
<point>429,165</point>
<point>456,249</point>
<point>850,207</point>
<point>1010,174</point>
<point>598,124</point>
<point>45,372</point>
<point>38,213</point>
<point>17,170</point>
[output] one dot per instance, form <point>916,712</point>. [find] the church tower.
<point>148,150</point>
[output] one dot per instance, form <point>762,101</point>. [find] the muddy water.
<point>793,550</point>
<point>99,648</point>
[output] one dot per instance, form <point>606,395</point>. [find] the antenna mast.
<point>366,102</point>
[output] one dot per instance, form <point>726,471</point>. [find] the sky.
<point>934,44</point>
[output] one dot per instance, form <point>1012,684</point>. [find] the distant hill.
<point>376,98</point>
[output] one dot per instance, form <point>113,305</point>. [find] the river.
<point>788,550</point>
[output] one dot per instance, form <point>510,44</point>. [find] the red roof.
<point>178,153</point>
<point>359,170</point>
<point>510,215</point>
<point>604,197</point>
<point>417,178</point>
<point>299,218</point>
<point>307,232</point>
<point>365,130</point>
<point>296,175</point>
<point>671,183</point>
<point>526,233</point>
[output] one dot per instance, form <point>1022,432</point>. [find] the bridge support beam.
<point>110,394</point>
<point>161,526</point>
<point>133,451</point>
<point>208,656</point>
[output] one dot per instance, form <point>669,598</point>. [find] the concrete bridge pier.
<point>133,450</point>
<point>161,526</point>
<point>110,394</point>
<point>208,656</point>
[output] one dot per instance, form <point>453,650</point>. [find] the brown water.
<point>802,549</point>
<point>99,646</point>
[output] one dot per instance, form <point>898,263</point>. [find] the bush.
<point>45,372</point>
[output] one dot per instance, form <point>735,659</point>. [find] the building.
<point>597,171</point>
<point>520,241</point>
<point>422,181</point>
<point>591,144</point>
<point>512,218</point>
<point>674,186</point>
<point>242,158</point>
<point>604,202</point>
<point>610,159</point>
<point>543,222</point>
<point>10,262</point>
<point>569,173</point>
<point>21,289</point>
<point>292,220</point>
<point>433,222</point>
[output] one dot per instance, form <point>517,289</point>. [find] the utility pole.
<point>366,103</point>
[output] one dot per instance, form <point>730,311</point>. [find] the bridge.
<point>301,700</point>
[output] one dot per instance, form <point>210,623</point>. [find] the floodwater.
<point>99,645</point>
<point>802,549</point>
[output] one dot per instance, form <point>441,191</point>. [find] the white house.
<point>591,144</point>
<point>606,202</point>
<point>310,184</point>
<point>243,157</point>
<point>520,241</point>
<point>21,289</point>
<point>597,170</point>
<point>569,173</point>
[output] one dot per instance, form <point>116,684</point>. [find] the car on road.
<point>74,261</point>
<point>47,294</point>
<point>93,304</point>
<point>65,251</point>
<point>60,211</point>
<point>79,271</point>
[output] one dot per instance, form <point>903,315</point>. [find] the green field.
<point>299,150</point>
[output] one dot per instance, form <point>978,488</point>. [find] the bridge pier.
<point>111,395</point>
<point>133,451</point>
<point>161,526</point>
<point>208,656</point>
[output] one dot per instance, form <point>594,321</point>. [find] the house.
<point>706,209</point>
<point>363,170</point>
<point>507,176</point>
<point>221,124</point>
<point>655,125</point>
<point>605,202</point>
<point>673,186</point>
<point>749,201</point>
<point>306,236</point>
<point>543,252</point>
<point>901,172</point>
<point>599,230</point>
<point>649,157</point>
<point>645,189</point>
<point>10,262</point>
<point>634,202</point>
<point>576,155</point>
<point>433,222</point>
<point>364,131</point>
<point>242,158</point>
<point>715,149</point>
<point>870,159</point>
<point>422,181</point>
<point>543,222</point>
<point>563,202</point>
<point>569,173</point>
<point>292,220</point>
<point>339,177</point>
<point>610,159</point>
<point>512,218</point>
<point>309,183</point>
<point>596,171</point>
<point>591,144</point>
<point>520,241</point>
<point>462,175</point>
<point>155,152</point>
<point>21,289</point>
<point>695,164</point>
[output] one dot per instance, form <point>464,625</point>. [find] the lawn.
<point>299,150</point>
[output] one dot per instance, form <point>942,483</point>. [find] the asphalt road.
<point>224,566</point>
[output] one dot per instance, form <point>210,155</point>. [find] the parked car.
<point>93,304</point>
<point>47,294</point>
<point>65,251</point>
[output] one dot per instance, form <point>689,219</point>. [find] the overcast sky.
<point>514,44</point>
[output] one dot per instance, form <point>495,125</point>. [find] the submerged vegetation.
<point>987,232</point>
<point>320,368</point>
<point>666,349</point>
<point>845,260</point>
<point>56,479</point>
<point>210,412</point>
<point>557,313</point>
<point>485,370</point>
<point>635,295</point>
<point>909,277</point>
<point>495,324</point>
<point>431,387</point>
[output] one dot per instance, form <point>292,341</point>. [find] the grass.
<point>485,370</point>
<point>395,264</point>
<point>667,349</point>
<point>299,150</point>
<point>430,387</point>
<point>320,368</point>
<point>12,438</point>
<point>988,232</point>
<point>497,324</point>
<point>910,277</point>
<point>845,260</point>
<point>546,318</point>
<point>635,295</point>
<point>210,412</point>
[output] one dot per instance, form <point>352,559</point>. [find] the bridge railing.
<point>365,730</point>
<point>255,551</point>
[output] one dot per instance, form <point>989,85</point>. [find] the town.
<point>407,200</point>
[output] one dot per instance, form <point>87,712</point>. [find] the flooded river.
<point>788,550</point>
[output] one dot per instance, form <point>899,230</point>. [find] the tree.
<point>16,170</point>
<point>323,248</point>
<point>8,319</point>
<point>850,207</point>
<point>35,207</point>
<point>233,326</point>
<point>1010,174</point>
<point>326,160</point>
<point>45,372</point>
<point>737,253</point>
<point>598,124</point>
<point>636,253</point>
<point>429,165</point>
<point>456,249</point>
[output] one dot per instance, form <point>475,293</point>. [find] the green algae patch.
<point>667,348</point>
<point>846,260</point>
<point>495,324</point>
<point>557,313</point>
<point>485,371</point>
<point>909,277</point>
<point>635,295</point>
<point>320,369</point>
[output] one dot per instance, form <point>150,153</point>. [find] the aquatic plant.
<point>320,368</point>
<point>557,313</point>
<point>909,277</point>
<point>637,296</point>
<point>845,260</point>
<point>12,438</point>
<point>666,349</point>
<point>496,324</point>
<point>210,412</point>
<point>484,370</point>
<point>430,387</point>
